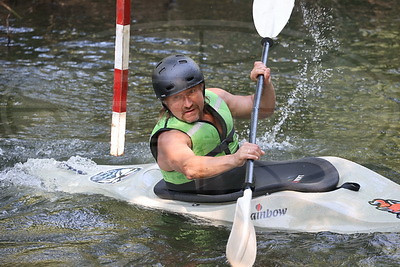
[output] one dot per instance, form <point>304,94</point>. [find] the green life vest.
<point>206,140</point>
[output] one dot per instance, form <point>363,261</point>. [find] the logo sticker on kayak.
<point>64,165</point>
<point>298,178</point>
<point>389,205</point>
<point>268,213</point>
<point>113,176</point>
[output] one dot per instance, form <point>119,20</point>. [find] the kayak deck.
<point>302,175</point>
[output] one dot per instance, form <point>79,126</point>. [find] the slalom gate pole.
<point>118,123</point>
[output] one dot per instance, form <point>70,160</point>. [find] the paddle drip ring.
<point>267,39</point>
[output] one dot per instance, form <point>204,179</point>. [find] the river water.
<point>336,69</point>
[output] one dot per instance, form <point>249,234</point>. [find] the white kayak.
<point>361,200</point>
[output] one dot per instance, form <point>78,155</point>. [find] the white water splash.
<point>312,74</point>
<point>24,174</point>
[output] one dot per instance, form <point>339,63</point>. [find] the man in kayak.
<point>194,141</point>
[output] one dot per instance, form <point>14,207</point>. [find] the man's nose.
<point>187,102</point>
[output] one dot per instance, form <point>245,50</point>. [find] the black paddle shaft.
<point>249,182</point>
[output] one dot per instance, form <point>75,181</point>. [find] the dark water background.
<point>336,69</point>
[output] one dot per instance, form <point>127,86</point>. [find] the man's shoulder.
<point>173,137</point>
<point>220,92</point>
<point>217,91</point>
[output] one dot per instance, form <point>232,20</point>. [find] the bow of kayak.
<point>375,207</point>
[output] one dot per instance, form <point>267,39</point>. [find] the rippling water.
<point>336,70</point>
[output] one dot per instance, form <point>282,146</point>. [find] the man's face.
<point>187,105</point>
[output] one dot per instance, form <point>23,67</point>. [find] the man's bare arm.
<point>174,153</point>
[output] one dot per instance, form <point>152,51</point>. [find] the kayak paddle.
<point>270,16</point>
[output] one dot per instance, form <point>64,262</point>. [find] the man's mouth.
<point>189,111</point>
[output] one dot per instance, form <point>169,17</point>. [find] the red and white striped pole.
<point>118,123</point>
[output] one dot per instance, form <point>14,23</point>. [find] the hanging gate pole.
<point>118,123</point>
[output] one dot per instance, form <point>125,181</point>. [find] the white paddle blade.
<point>270,16</point>
<point>241,249</point>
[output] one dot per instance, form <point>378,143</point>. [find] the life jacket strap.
<point>223,146</point>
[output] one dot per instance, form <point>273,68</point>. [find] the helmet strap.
<point>167,109</point>
<point>165,106</point>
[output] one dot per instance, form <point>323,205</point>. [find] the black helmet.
<point>175,74</point>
